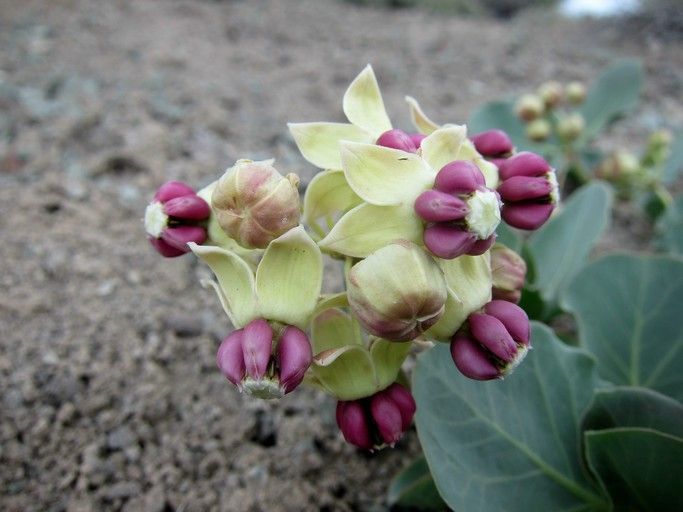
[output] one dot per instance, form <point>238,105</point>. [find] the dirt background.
<point>110,396</point>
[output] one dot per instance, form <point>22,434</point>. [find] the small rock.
<point>121,490</point>
<point>120,439</point>
<point>66,413</point>
<point>184,325</point>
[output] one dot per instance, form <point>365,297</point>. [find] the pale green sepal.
<point>469,282</point>
<point>420,120</point>
<point>333,300</point>
<point>367,227</point>
<point>387,356</point>
<point>363,104</point>
<point>289,278</point>
<point>443,146</point>
<point>333,329</point>
<point>236,282</point>
<point>328,194</point>
<point>385,176</point>
<point>319,142</point>
<point>346,372</point>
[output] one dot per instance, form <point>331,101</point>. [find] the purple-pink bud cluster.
<point>175,217</point>
<point>248,356</point>
<point>378,420</point>
<point>492,144</point>
<point>445,209</point>
<point>398,139</point>
<point>493,342</point>
<point>528,189</point>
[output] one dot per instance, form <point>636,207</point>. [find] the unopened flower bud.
<point>576,93</point>
<point>175,217</point>
<point>461,211</point>
<point>248,359</point>
<point>377,421</point>
<point>397,139</point>
<point>417,138</point>
<point>492,143</point>
<point>529,107</point>
<point>551,93</point>
<point>493,342</point>
<point>529,190</point>
<point>538,130</point>
<point>619,167</point>
<point>658,148</point>
<point>397,292</point>
<point>254,203</point>
<point>570,127</point>
<point>508,272</point>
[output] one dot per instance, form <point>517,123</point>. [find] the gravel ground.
<point>110,396</point>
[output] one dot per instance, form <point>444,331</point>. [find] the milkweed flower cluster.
<point>413,217</point>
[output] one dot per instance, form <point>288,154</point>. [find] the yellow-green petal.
<point>332,329</point>
<point>328,195</point>
<point>367,227</point>
<point>319,142</point>
<point>469,283</point>
<point>422,123</point>
<point>385,176</point>
<point>363,104</point>
<point>443,146</point>
<point>346,372</point>
<point>387,356</point>
<point>235,281</point>
<point>289,278</point>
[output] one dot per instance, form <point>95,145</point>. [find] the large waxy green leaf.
<point>414,488</point>
<point>628,310</point>
<point>640,468</point>
<point>508,445</point>
<point>674,163</point>
<point>613,94</point>
<point>670,228</point>
<point>561,247</point>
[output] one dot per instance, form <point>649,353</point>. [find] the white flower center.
<point>155,219</point>
<point>263,388</point>
<point>484,215</point>
<point>554,188</point>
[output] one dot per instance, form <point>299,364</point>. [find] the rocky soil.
<point>110,396</point>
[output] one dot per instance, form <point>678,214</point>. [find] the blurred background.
<point>110,396</point>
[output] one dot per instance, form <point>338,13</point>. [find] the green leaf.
<point>236,289</point>
<point>508,445</point>
<point>560,248</point>
<point>613,94</point>
<point>328,195</point>
<point>385,176</point>
<point>366,228</point>
<point>628,310</point>
<point>363,104</point>
<point>674,164</point>
<point>319,142</point>
<point>640,468</point>
<point>414,488</point>
<point>509,237</point>
<point>289,278</point>
<point>625,406</point>
<point>670,228</point>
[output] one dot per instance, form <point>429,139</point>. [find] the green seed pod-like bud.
<point>551,93</point>
<point>619,167</point>
<point>576,93</point>
<point>254,204</point>
<point>509,273</point>
<point>397,292</point>
<point>538,130</point>
<point>658,148</point>
<point>570,127</point>
<point>529,107</point>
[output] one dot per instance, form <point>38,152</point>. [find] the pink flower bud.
<point>472,360</point>
<point>230,357</point>
<point>481,246</point>
<point>378,420</point>
<point>492,143</point>
<point>525,163</point>
<point>175,217</point>
<point>436,206</point>
<point>509,273</point>
<point>459,177</point>
<point>417,138</point>
<point>294,356</point>
<point>527,215</point>
<point>257,346</point>
<point>491,344</point>
<point>520,188</point>
<point>447,241</point>
<point>397,139</point>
